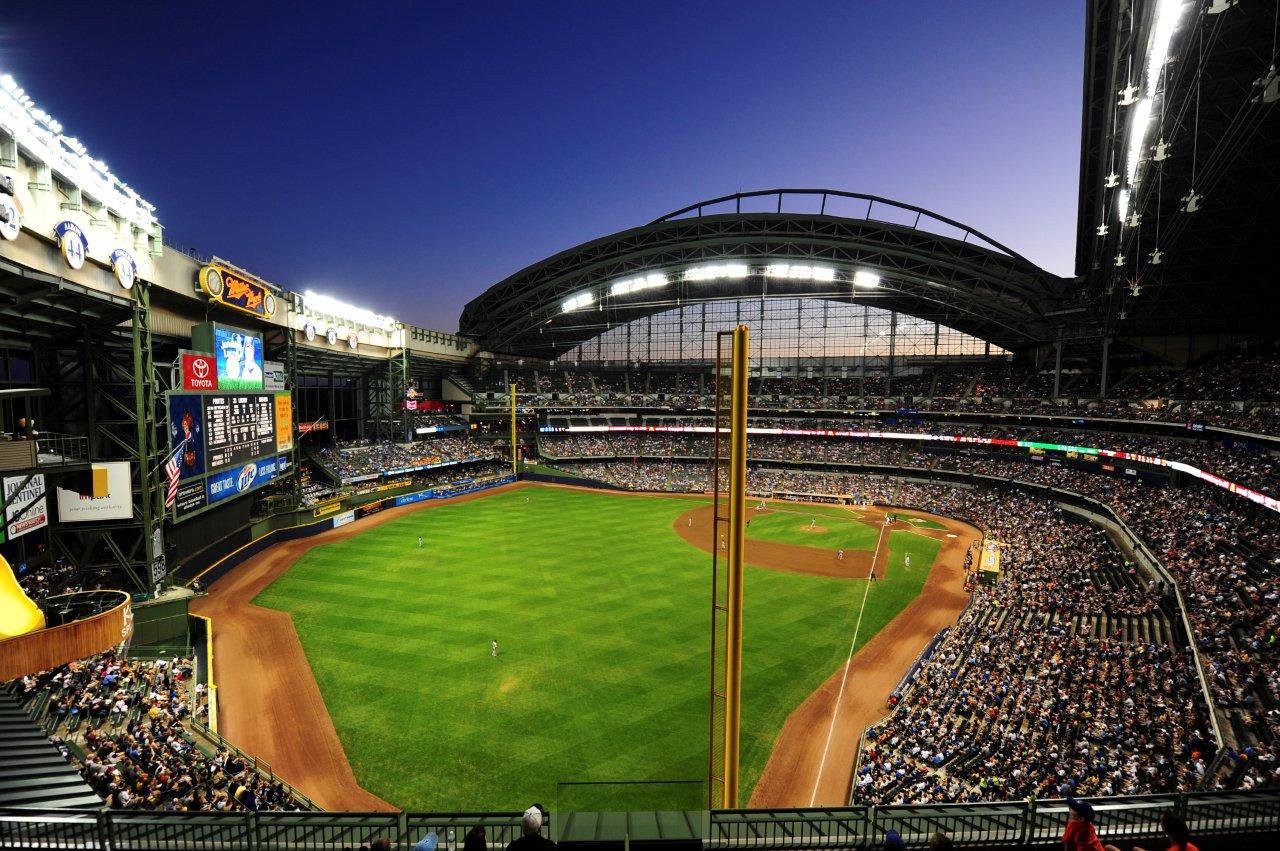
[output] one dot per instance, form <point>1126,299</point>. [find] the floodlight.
<point>576,302</point>
<point>866,279</point>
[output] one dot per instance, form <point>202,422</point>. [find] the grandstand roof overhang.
<point>36,307</point>
<point>930,266</point>
<point>1213,133</point>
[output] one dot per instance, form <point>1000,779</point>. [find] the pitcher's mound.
<point>818,529</point>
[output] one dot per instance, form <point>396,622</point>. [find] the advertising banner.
<point>26,506</point>
<point>343,519</point>
<point>116,505</point>
<point>284,422</point>
<point>191,497</point>
<point>240,480</point>
<point>272,375</point>
<point>186,422</point>
<point>199,372</point>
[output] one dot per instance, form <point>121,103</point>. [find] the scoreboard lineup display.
<point>238,429</point>
<point>228,439</point>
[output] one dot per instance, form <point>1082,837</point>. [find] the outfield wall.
<point>332,520</point>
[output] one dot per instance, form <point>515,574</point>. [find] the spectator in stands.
<point>531,838</point>
<point>130,718</point>
<point>24,429</point>
<point>476,839</point>
<point>940,842</point>
<point>1080,834</point>
<point>1176,830</point>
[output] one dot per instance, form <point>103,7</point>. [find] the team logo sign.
<point>73,243</point>
<point>10,218</point>
<point>309,331</point>
<point>248,473</point>
<point>126,269</point>
<point>332,336</point>
<point>352,341</point>
<point>237,290</point>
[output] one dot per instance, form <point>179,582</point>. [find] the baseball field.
<point>599,604</point>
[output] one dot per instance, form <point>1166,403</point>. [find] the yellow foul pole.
<point>737,544</point>
<point>513,430</point>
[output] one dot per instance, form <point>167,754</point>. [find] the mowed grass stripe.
<point>602,615</point>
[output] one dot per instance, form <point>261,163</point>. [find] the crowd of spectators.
<point>1015,701</point>
<point>1236,390</point>
<point>352,461</point>
<point>1241,462</point>
<point>123,724</point>
<point>43,576</point>
<point>1223,551</point>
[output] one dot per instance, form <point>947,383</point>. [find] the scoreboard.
<point>238,429</point>
<point>227,444</point>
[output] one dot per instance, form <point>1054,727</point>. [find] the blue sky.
<point>405,156</point>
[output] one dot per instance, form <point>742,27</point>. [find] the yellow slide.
<point>18,615</point>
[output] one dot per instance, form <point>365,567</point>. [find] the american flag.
<point>172,470</point>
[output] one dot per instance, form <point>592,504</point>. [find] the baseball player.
<point>906,560</point>
<point>840,554</point>
<point>420,542</point>
<point>493,646</point>
<point>872,575</point>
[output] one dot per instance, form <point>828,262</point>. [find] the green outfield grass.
<point>601,612</point>
<point>835,529</point>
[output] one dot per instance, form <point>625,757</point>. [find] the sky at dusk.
<point>406,156</point>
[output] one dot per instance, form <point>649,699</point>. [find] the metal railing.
<point>131,830</point>
<point>994,824</point>
<point>1008,823</point>
<point>54,447</point>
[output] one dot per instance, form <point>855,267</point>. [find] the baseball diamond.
<point>640,427</point>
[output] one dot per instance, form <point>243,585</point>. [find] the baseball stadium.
<point>791,518</point>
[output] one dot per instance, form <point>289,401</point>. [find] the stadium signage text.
<point>26,506</point>
<point>199,372</point>
<point>234,290</point>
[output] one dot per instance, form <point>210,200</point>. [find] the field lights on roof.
<point>1137,137</point>
<point>800,272</point>
<point>577,302</point>
<point>41,135</point>
<point>1167,15</point>
<point>718,271</point>
<point>866,279</point>
<point>638,283</point>
<point>317,303</point>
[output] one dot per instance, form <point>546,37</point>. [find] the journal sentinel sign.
<point>240,480</point>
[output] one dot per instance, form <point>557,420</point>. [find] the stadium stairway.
<point>32,771</point>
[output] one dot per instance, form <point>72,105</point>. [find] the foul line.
<point>845,677</point>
